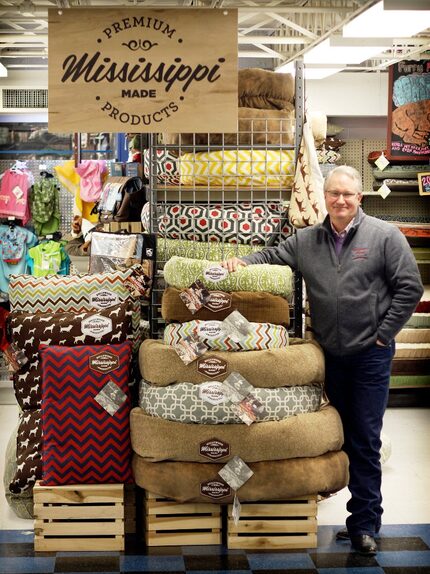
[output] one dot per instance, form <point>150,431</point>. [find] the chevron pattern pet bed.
<point>260,336</point>
<point>272,168</point>
<point>85,441</point>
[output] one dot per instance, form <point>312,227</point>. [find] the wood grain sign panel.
<point>137,70</point>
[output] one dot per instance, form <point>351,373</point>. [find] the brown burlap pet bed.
<point>305,435</point>
<point>301,363</point>
<point>272,480</point>
<point>264,89</point>
<point>259,307</point>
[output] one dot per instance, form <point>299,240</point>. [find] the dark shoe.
<point>364,544</point>
<point>342,534</point>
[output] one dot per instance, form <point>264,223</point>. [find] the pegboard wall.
<point>66,198</point>
<point>355,153</point>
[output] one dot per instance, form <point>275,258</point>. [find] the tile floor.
<point>404,545</point>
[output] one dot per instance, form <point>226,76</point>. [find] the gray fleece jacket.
<point>366,293</point>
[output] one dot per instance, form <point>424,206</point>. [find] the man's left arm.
<point>403,277</point>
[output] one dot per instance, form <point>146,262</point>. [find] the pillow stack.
<point>77,317</point>
<point>185,429</point>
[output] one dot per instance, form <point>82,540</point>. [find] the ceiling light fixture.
<point>379,23</point>
<point>326,53</point>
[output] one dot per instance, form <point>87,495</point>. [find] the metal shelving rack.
<point>161,195</point>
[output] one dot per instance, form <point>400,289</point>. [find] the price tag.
<point>382,162</point>
<point>384,190</point>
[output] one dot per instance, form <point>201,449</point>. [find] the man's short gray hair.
<point>347,170</point>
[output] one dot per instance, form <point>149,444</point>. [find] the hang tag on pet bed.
<point>382,162</point>
<point>384,191</point>
<point>235,473</point>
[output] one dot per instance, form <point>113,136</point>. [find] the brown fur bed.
<point>301,363</point>
<point>259,307</point>
<point>272,480</point>
<point>305,435</point>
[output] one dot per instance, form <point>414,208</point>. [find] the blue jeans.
<point>357,386</point>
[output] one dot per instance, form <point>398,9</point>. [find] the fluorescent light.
<point>324,53</point>
<point>3,71</point>
<point>320,73</point>
<point>311,72</point>
<point>379,23</point>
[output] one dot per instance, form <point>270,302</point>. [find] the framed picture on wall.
<point>409,111</point>
<point>424,183</point>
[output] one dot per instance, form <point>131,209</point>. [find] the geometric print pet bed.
<point>206,404</point>
<point>215,251</point>
<point>276,279</point>
<point>85,412</point>
<point>260,336</point>
<point>247,223</point>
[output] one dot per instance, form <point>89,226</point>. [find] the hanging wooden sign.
<point>138,70</point>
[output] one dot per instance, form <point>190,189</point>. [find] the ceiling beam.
<point>272,40</point>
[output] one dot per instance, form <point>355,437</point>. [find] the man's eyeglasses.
<point>337,194</point>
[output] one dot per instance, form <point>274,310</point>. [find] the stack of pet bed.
<point>83,327</point>
<point>398,177</point>
<point>185,429</point>
<point>411,364</point>
<point>246,160</point>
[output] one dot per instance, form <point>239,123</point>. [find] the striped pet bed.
<point>272,480</point>
<point>310,434</point>
<point>206,403</point>
<point>301,363</point>
<point>74,294</point>
<point>260,336</point>
<point>180,272</point>
<point>255,306</point>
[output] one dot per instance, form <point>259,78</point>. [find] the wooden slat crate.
<point>171,523</point>
<point>79,517</point>
<point>275,524</point>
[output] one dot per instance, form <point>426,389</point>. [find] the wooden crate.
<point>79,517</point>
<point>171,523</point>
<point>275,524</point>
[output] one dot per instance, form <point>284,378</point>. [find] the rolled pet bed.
<point>212,251</point>
<point>180,272</point>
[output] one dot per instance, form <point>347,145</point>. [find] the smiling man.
<point>363,284</point>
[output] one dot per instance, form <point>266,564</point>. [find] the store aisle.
<point>404,546</point>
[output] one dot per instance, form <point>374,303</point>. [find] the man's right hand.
<point>233,264</point>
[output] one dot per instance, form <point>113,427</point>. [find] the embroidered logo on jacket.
<point>360,253</point>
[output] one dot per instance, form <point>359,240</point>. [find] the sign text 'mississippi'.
<point>97,69</point>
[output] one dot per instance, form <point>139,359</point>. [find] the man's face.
<point>342,200</point>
